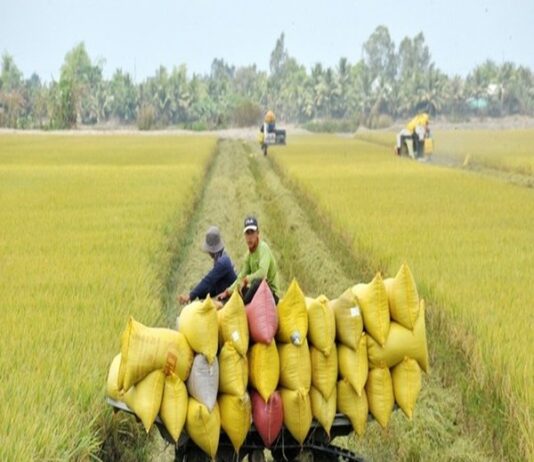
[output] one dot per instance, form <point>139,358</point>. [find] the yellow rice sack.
<point>233,324</point>
<point>173,408</point>
<point>403,297</point>
<point>233,371</point>
<point>112,390</point>
<point>198,322</point>
<point>185,359</point>
<point>295,365</point>
<point>264,368</point>
<point>321,324</point>
<point>406,378</point>
<point>203,427</point>
<point>297,412</point>
<point>324,370</point>
<point>348,316</point>
<point>379,390</point>
<point>400,343</point>
<point>353,365</point>
<point>292,316</point>
<point>144,398</point>
<point>324,410</point>
<point>236,416</point>
<point>355,407</point>
<point>373,300</point>
<point>145,349</point>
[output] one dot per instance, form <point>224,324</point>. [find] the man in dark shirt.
<point>220,276</point>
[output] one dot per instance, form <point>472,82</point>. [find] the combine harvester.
<point>269,134</point>
<point>233,380</point>
<point>415,141</point>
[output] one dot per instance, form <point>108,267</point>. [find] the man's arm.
<point>263,266</point>
<point>245,269</point>
<point>207,284</point>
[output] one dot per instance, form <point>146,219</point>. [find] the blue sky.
<point>138,36</point>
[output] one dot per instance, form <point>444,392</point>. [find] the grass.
<point>86,229</point>
<point>468,241</point>
<point>507,150</point>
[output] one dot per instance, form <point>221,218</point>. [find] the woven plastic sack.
<point>173,408</point>
<point>264,368</point>
<point>353,365</point>
<point>268,416</point>
<point>406,378</point>
<point>295,365</point>
<point>198,322</point>
<point>262,316</point>
<point>401,342</point>
<point>373,300</point>
<point>203,382</point>
<point>324,410</point>
<point>403,297</point>
<point>236,415</point>
<point>297,412</point>
<point>292,316</point>
<point>144,398</point>
<point>112,390</point>
<point>349,320</point>
<point>145,349</point>
<point>203,426</point>
<point>324,371</point>
<point>380,396</point>
<point>355,407</point>
<point>233,324</point>
<point>233,371</point>
<point>321,324</point>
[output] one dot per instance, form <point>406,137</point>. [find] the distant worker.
<point>414,136</point>
<point>220,276</point>
<point>258,264</point>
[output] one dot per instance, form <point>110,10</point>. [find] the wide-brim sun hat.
<point>213,242</point>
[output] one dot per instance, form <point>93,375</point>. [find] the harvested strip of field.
<point>468,240</point>
<point>86,228</point>
<point>506,154</point>
<point>243,181</point>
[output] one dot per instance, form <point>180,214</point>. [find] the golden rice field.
<point>509,150</point>
<point>468,239</point>
<point>84,237</point>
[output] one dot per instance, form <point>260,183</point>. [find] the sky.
<point>138,36</point>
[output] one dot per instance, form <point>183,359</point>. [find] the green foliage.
<point>398,81</point>
<point>146,117</point>
<point>246,114</point>
<point>331,126</point>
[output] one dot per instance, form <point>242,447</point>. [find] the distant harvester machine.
<point>269,134</point>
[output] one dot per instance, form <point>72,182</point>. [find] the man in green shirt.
<point>259,264</point>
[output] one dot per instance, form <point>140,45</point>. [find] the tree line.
<point>386,83</point>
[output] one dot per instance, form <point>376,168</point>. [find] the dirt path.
<point>242,181</point>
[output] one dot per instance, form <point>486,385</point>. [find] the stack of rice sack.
<point>149,375</point>
<point>295,363</point>
<point>394,319</point>
<point>234,400</point>
<point>264,365</point>
<point>307,358</point>
<point>352,360</point>
<point>323,357</point>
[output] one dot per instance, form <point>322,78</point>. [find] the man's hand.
<point>223,295</point>
<point>244,282</point>
<point>183,299</point>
